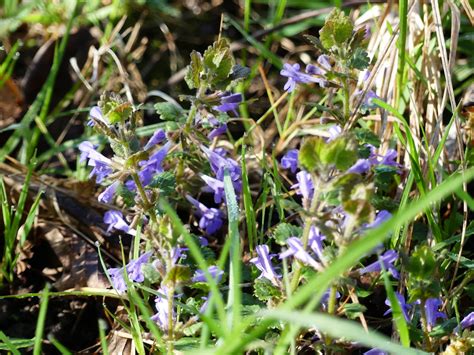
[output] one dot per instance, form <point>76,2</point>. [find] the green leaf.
<point>194,71</point>
<point>357,203</point>
<point>264,290</point>
<point>239,72</point>
<point>384,176</point>
<point>359,60</point>
<point>150,273</point>
<point>359,39</point>
<point>127,195</point>
<point>366,136</point>
<point>169,111</point>
<point>165,182</point>
<point>445,328</point>
<point>422,263</point>
<point>354,310</point>
<point>341,152</point>
<point>309,155</point>
<point>285,230</point>
<point>136,158</point>
<point>177,275</point>
<point>218,62</point>
<point>336,30</point>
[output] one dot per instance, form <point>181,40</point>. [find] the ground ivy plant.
<point>344,183</point>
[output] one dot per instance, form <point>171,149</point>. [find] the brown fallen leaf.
<point>81,265</point>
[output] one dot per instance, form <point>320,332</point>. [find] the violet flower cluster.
<point>313,74</point>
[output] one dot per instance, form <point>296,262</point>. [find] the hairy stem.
<point>424,324</point>
<point>305,237</point>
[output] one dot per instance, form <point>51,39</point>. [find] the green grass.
<point>225,323</point>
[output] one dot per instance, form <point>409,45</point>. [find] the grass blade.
<point>41,321</point>
<point>8,344</point>
<point>341,328</point>
<point>248,205</point>
<point>234,302</point>
<point>397,313</point>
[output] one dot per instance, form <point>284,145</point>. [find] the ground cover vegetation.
<point>261,177</point>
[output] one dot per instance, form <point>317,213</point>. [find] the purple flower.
<point>368,32</point>
<point>315,242</point>
<point>85,147</point>
<point>389,158</point>
<point>367,102</point>
<point>323,61</point>
<point>365,75</point>
<point>161,303</point>
<point>314,70</point>
<point>219,164</point>
<point>100,170</point>
<point>217,131</point>
<point>403,305</point>
<point>88,152</point>
<point>157,137</point>
<point>264,264</point>
<point>467,321</point>
<point>361,166</point>
<point>229,103</point>
<point>305,185</point>
<point>334,132</point>
<point>156,159</point>
<point>325,298</point>
<point>432,313</point>
<point>375,352</point>
<point>381,217</point>
<point>177,253</point>
<point>118,281</point>
<point>200,276</point>
<point>203,241</point>
<point>108,194</point>
<point>221,151</point>
<point>101,165</point>
<point>134,267</point>
<point>205,304</point>
<point>321,70</point>
<point>295,249</point>
<point>290,160</point>
<point>211,218</point>
<point>115,220</point>
<point>294,75</point>
<point>96,114</point>
<point>150,167</point>
<point>387,259</point>
<point>215,186</point>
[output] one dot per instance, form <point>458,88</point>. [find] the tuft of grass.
<point>40,323</point>
<point>12,218</point>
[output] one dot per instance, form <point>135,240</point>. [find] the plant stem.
<point>190,119</point>
<point>346,94</point>
<point>192,111</point>
<point>305,237</point>
<point>147,205</point>
<point>331,308</point>
<point>424,324</point>
<point>170,320</point>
